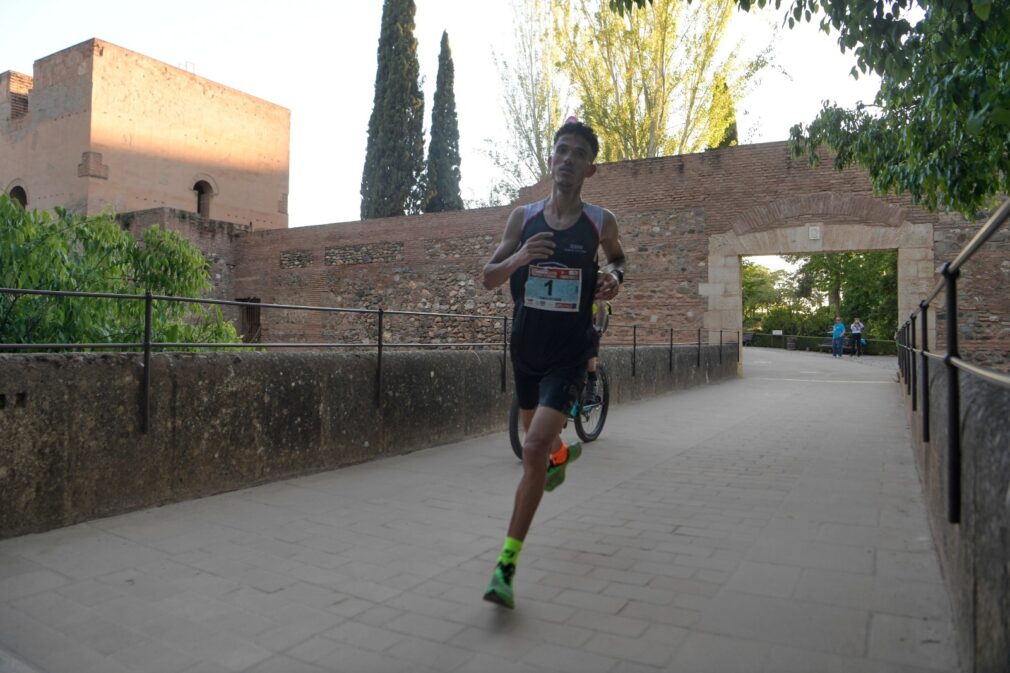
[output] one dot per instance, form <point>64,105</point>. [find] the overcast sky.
<point>317,58</point>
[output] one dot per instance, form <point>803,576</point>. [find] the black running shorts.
<point>557,389</point>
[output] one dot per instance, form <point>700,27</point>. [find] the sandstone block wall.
<point>182,130</point>
<point>100,126</point>
<point>40,148</point>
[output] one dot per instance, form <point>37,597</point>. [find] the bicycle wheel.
<point>591,417</point>
<point>516,431</point>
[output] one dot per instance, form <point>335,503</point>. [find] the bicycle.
<point>588,417</point>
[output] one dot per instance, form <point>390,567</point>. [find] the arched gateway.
<point>811,224</point>
<point>687,220</point>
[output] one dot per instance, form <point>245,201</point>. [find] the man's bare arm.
<point>510,256</point>
<point>613,272</point>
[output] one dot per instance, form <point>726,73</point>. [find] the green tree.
<point>534,99</point>
<point>391,182</point>
<point>940,124</point>
<point>863,284</point>
<point>870,292</point>
<point>71,252</point>
<point>723,107</point>
<point>761,291</point>
<point>938,128</point>
<point>800,320</point>
<point>824,273</point>
<point>647,81</point>
<point>442,176</point>
<point>622,6</point>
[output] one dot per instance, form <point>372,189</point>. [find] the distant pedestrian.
<point>857,337</point>
<point>837,336</point>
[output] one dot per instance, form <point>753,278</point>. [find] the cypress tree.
<point>443,152</point>
<point>394,159</point>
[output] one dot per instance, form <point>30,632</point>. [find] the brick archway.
<point>818,223</point>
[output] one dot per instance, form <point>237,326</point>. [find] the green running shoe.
<point>499,590</point>
<point>556,473</point>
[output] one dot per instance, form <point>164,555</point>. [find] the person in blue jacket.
<point>837,335</point>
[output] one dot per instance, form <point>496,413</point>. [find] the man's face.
<point>571,160</point>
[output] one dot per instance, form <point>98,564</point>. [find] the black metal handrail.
<point>906,337</point>
<point>695,342</point>
<point>148,345</point>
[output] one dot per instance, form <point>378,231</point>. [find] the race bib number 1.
<point>553,288</point>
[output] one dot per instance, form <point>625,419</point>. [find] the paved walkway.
<point>773,523</point>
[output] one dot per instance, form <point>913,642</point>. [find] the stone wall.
<point>983,300</point>
<point>685,223</point>
<point>216,239</point>
<point>426,263</point>
<point>73,449</point>
<point>974,553</point>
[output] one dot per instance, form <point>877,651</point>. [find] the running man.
<point>548,254</point>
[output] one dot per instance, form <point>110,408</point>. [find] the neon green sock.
<point>510,552</point>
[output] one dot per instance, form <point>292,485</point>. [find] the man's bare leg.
<point>543,437</point>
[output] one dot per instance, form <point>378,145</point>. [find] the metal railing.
<point>694,342</point>
<point>906,338</point>
<point>148,345</point>
<point>819,342</point>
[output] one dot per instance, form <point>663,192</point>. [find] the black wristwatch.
<point>619,273</point>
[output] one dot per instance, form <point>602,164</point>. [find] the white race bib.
<point>554,288</point>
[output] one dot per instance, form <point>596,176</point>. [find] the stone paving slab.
<point>772,523</point>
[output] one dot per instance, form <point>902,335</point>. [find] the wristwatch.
<point>618,274</point>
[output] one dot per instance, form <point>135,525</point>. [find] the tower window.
<point>18,194</point>
<point>203,193</point>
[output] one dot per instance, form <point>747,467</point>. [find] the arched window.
<point>203,193</point>
<point>19,194</point>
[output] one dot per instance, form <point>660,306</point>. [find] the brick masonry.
<point>983,300</point>
<point>684,221</point>
<point>16,87</point>
<point>218,241</point>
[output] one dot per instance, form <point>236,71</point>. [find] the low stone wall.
<point>73,449</point>
<point>975,553</point>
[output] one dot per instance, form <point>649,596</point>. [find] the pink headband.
<point>572,120</point>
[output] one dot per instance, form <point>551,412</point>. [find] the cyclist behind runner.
<point>548,254</point>
<point>601,317</point>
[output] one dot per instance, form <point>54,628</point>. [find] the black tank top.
<point>552,317</point>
